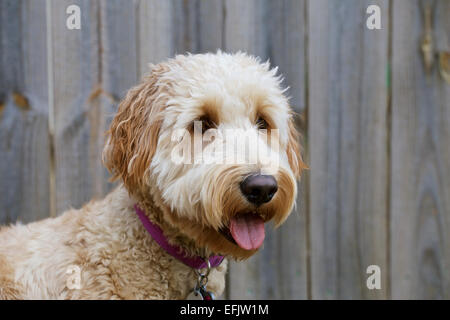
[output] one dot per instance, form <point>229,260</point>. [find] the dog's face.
<point>212,137</point>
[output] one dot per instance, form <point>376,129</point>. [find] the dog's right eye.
<point>206,123</point>
<point>261,123</point>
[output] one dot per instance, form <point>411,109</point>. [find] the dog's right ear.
<point>133,134</point>
<point>293,149</point>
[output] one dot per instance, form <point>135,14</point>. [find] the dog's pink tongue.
<point>248,231</point>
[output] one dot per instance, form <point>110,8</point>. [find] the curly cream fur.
<point>118,259</point>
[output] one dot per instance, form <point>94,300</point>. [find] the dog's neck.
<point>158,213</point>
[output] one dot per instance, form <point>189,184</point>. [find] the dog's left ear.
<point>293,149</point>
<point>134,131</point>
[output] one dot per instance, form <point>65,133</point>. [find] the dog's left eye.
<point>207,123</point>
<point>262,123</point>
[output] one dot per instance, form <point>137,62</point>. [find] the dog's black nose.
<point>259,189</point>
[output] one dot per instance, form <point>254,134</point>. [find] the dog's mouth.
<point>245,230</point>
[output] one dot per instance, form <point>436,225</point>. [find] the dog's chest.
<point>147,272</point>
<point>161,277</point>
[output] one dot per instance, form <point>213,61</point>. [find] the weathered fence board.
<point>420,205</point>
<point>24,143</point>
<point>279,271</point>
<point>245,26</point>
<point>77,115</point>
<point>211,25</point>
<point>287,51</point>
<point>186,31</point>
<point>348,135</point>
<point>118,69</point>
<point>155,30</point>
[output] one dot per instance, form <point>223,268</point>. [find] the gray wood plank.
<point>286,45</point>
<point>348,148</point>
<point>155,33</point>
<point>93,68</point>
<point>198,26</point>
<point>118,71</point>
<point>77,119</point>
<point>420,193</point>
<point>279,270</point>
<point>24,143</point>
<point>245,26</point>
<point>186,27</point>
<point>211,25</point>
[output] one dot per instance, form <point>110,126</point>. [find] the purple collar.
<point>175,251</point>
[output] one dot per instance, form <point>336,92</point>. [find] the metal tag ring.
<point>202,281</point>
<point>208,269</point>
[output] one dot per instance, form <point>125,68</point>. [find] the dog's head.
<point>211,138</point>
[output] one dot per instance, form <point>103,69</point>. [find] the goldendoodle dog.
<point>182,205</point>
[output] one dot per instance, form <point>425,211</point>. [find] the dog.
<point>168,227</point>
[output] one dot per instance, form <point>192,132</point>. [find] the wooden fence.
<point>376,129</point>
